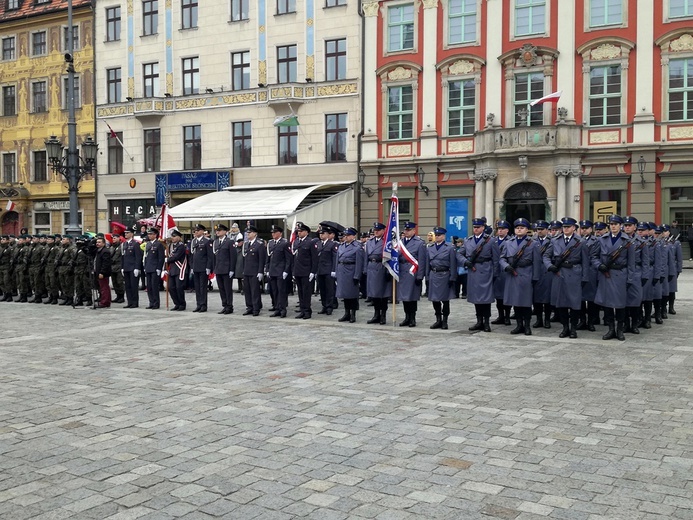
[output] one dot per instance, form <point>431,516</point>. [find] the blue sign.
<point>189,181</point>
<point>456,216</point>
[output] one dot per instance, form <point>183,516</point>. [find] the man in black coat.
<point>327,251</point>
<point>132,264</point>
<point>305,268</point>
<point>102,272</point>
<point>154,258</point>
<point>177,266</point>
<point>202,262</point>
<point>224,266</point>
<point>279,261</point>
<point>255,258</point>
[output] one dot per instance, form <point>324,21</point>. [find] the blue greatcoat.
<point>499,279</point>
<point>542,289</point>
<point>480,274</point>
<point>589,291</point>
<point>407,288</point>
<point>528,266</point>
<point>641,253</point>
<point>378,279</point>
<point>566,287</point>
<point>677,263</point>
<point>657,264</point>
<point>666,266</point>
<point>613,285</point>
<point>442,272</point>
<point>348,265</point>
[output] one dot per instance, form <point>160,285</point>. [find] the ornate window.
<point>9,100</point>
<point>8,48</point>
<point>39,97</point>
<point>9,167</point>
<point>75,38</point>
<point>400,27</point>
<point>38,43</point>
<point>462,21</point>
<point>605,12</point>
<point>530,17</point>
<point>680,8</point>
<point>399,87</point>
<point>605,95</point>
<point>461,79</point>
<point>680,90</point>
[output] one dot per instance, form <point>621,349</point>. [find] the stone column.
<point>479,194</point>
<point>561,206</point>
<point>573,191</point>
<point>644,120</point>
<point>369,81</point>
<point>429,135</point>
<point>494,69</point>
<point>488,209</point>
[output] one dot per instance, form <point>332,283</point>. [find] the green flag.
<point>290,120</point>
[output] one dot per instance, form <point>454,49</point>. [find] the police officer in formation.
<point>413,267</point>
<point>378,278</point>
<point>154,257</point>
<point>326,250</point>
<point>441,274</point>
<point>480,255</point>
<point>279,268</point>
<point>131,254</point>
<point>349,265</point>
<point>117,279</point>
<point>177,269</point>
<point>502,232</point>
<point>541,295</point>
<point>225,254</point>
<point>201,264</point>
<point>255,257</point>
<point>305,268</point>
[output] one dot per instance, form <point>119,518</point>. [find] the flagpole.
<point>394,280</point>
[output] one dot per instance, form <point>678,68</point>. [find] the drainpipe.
<point>359,137</point>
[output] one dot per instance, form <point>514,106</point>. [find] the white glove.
<point>158,272</point>
<point>208,271</point>
<point>284,275</point>
<point>136,272</point>
<point>122,271</point>
<point>333,274</point>
<point>259,277</point>
<point>163,274</point>
<point>310,277</point>
<point>231,274</point>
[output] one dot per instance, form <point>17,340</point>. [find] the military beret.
<point>521,222</point>
<point>200,227</point>
<point>586,224</point>
<point>175,233</point>
<point>599,225</point>
<point>479,222</point>
<point>222,227</point>
<point>541,224</point>
<point>276,229</point>
<point>378,225</point>
<point>439,230</point>
<point>615,219</point>
<point>568,221</point>
<point>503,224</point>
<point>630,220</point>
<point>350,231</point>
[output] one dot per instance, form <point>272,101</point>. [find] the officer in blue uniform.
<point>568,259</point>
<point>411,277</point>
<point>676,266</point>
<point>201,264</point>
<point>615,262</point>
<point>254,259</point>
<point>327,249</point>
<point>305,267</point>
<point>542,289</point>
<point>349,264</point>
<point>659,274</point>
<point>648,270</point>
<point>635,291</point>
<point>502,233</point>
<point>589,312</point>
<point>225,256</point>
<point>521,265</point>
<point>378,278</point>
<point>480,256</point>
<point>177,267</point>
<point>153,265</point>
<point>441,276</point>
<point>279,262</point>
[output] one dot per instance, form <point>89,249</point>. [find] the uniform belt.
<point>482,260</point>
<point>347,263</point>
<point>524,264</point>
<point>440,269</point>
<point>570,264</point>
<point>618,267</point>
<point>638,264</point>
<point>374,260</point>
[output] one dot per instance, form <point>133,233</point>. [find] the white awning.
<point>313,203</point>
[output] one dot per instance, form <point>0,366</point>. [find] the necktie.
<point>567,240</point>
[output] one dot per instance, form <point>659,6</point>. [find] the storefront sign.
<point>456,215</point>
<point>189,181</point>
<point>604,209</point>
<point>50,205</point>
<point>129,211</point>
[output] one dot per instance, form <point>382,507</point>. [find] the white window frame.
<point>2,166</point>
<point>7,37</point>
<point>446,26</point>
<point>64,40</point>
<point>513,21</point>
<point>588,16</point>
<point>31,93</point>
<point>33,166</point>
<point>588,114</point>
<point>33,55</point>
<point>2,98</point>
<point>666,4</point>
<point>41,228</point>
<point>386,27</point>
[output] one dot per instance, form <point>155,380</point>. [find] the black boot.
<point>375,318</point>
<point>412,319</point>
<point>352,316</point>
<point>547,319</point>
<point>672,299</point>
<point>565,332</point>
<point>479,324</point>
<point>520,327</point>
<point>445,323</point>
<point>627,327</point>
<point>64,302</point>
<point>647,320</point>
<point>406,321</point>
<point>611,333</point>
<point>634,320</point>
<point>540,318</point>
<point>658,311</point>
<point>572,331</point>
<point>528,321</point>
<point>383,314</point>
<point>345,317</point>
<point>619,331</point>
<point>487,325</point>
<point>438,324</point>
<point>663,306</point>
<point>23,298</point>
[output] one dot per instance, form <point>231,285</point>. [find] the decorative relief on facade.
<point>336,90</point>
<point>182,104</point>
<point>528,55</point>
<point>168,105</point>
<point>310,91</point>
<point>261,29</point>
<point>461,67</point>
<point>485,175</point>
<point>398,74</point>
<point>430,4</point>
<point>399,150</point>
<point>611,137</point>
<point>680,132</point>
<point>131,87</point>
<point>159,105</point>
<point>168,4</point>
<point>262,72</point>
<point>237,99</point>
<point>370,9</point>
<point>298,92</point>
<point>112,111</point>
<point>684,43</point>
<point>169,82</point>
<point>262,96</point>
<point>309,22</point>
<point>460,146</point>
<point>280,92</point>
<point>605,51</point>
<point>310,67</point>
<point>129,7</point>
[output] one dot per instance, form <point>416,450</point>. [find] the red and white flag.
<point>551,98</point>
<point>10,206</point>
<point>113,135</point>
<point>294,233</point>
<point>165,222</point>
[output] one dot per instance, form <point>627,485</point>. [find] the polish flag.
<point>551,98</point>
<point>10,206</point>
<point>165,223</point>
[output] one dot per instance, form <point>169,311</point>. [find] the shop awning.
<point>310,204</point>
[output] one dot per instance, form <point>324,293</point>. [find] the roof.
<point>30,8</point>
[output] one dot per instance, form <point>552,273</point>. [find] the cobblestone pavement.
<point>125,414</point>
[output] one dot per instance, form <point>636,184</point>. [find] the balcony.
<point>528,139</point>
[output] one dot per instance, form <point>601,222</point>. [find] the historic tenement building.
<point>189,95</point>
<point>448,115</point>
<point>33,84</point>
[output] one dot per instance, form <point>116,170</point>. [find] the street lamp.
<point>362,183</point>
<point>68,166</point>
<point>421,174</point>
<point>641,169</point>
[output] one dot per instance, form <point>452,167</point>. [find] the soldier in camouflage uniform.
<point>36,269</point>
<point>21,267</point>
<point>65,262</point>
<point>4,265</point>
<point>9,281</point>
<point>83,282</point>
<point>117,269</point>
<point>50,269</point>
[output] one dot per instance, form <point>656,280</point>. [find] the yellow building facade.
<point>33,86</point>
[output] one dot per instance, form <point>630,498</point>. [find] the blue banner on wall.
<point>456,216</point>
<point>189,181</point>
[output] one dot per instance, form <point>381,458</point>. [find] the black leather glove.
<point>643,281</point>
<point>553,269</point>
<point>418,281</point>
<point>671,277</point>
<point>468,264</point>
<point>451,283</point>
<point>655,281</point>
<point>356,281</point>
<point>661,279</point>
<point>583,284</point>
<point>388,276</point>
<point>509,269</point>
<point>603,268</point>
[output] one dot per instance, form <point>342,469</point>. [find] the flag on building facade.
<point>288,120</point>
<point>10,206</point>
<point>551,98</point>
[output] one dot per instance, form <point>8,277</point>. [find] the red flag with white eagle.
<point>165,222</point>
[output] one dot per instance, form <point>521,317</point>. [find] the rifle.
<point>477,252</point>
<point>559,262</point>
<point>614,256</point>
<point>517,256</point>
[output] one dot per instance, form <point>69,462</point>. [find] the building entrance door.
<point>527,200</point>
<point>10,223</point>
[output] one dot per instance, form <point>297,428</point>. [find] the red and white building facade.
<point>447,92</point>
